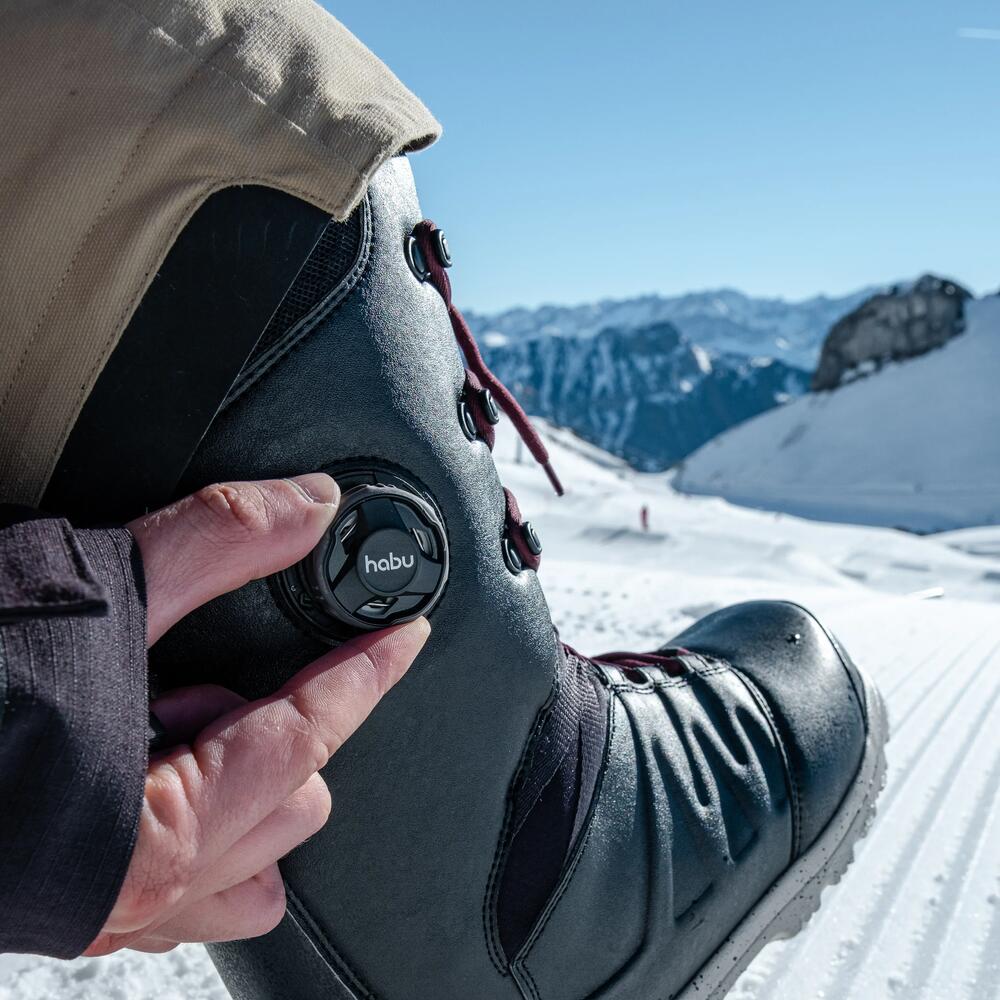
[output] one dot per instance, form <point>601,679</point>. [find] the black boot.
<point>515,820</point>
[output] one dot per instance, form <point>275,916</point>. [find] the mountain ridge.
<point>723,319</point>
<point>646,393</point>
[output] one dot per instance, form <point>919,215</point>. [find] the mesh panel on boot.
<point>551,801</point>
<point>327,276</point>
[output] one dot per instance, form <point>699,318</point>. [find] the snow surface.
<point>918,915</point>
<point>916,445</point>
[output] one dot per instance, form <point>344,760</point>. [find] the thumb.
<point>225,535</point>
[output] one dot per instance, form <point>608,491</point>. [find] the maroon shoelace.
<point>670,661</point>
<point>484,378</point>
<point>479,377</point>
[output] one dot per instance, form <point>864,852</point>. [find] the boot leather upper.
<point>716,782</point>
<point>711,782</point>
<point>396,884</point>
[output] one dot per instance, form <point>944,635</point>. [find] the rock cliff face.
<point>646,394</point>
<point>902,323</point>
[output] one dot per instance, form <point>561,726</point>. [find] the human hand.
<point>241,788</point>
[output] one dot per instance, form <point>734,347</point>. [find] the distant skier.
<point>644,517</point>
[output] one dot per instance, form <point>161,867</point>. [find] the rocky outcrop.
<point>902,323</point>
<point>646,394</point>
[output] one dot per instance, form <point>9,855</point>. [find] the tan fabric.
<point>117,119</point>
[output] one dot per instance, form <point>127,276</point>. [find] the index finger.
<point>243,765</point>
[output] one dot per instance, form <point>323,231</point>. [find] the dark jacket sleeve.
<point>73,728</point>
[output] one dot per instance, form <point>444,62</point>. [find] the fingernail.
<point>316,487</point>
<point>409,639</point>
<point>421,628</point>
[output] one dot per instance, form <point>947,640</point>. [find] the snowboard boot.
<point>515,821</point>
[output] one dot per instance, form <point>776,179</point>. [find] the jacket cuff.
<point>44,573</point>
<point>73,730</point>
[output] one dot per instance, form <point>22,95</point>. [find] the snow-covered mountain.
<point>918,913</point>
<point>645,393</point>
<point>916,445</point>
<point>653,378</point>
<point>720,321</point>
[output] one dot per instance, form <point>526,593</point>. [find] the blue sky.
<point>783,148</point>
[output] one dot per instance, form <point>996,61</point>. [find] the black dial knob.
<point>384,560</point>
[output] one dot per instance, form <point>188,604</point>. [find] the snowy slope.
<point>918,915</point>
<point>916,445</point>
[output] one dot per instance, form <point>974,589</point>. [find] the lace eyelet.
<point>466,421</point>
<point>441,249</point>
<point>531,538</point>
<point>510,555</point>
<point>490,407</point>
<point>415,259</point>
